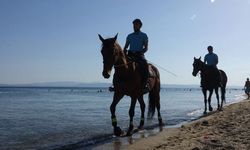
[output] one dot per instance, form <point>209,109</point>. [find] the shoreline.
<point>227,129</point>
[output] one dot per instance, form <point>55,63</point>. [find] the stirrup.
<point>111,89</point>
<point>146,89</point>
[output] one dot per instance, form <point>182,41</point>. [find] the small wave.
<point>239,97</point>
<point>87,143</point>
<point>96,141</point>
<point>196,112</point>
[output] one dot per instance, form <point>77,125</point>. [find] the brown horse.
<point>127,81</point>
<point>210,83</point>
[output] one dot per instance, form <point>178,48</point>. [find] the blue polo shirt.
<point>211,59</point>
<point>137,41</point>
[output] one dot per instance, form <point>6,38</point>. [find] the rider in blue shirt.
<point>211,59</point>
<point>138,45</point>
<point>137,42</point>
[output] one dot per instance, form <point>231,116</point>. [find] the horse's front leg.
<point>116,98</point>
<point>131,115</point>
<point>142,106</point>
<point>209,100</point>
<point>204,91</point>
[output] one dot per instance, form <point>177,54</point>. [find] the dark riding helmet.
<point>137,21</point>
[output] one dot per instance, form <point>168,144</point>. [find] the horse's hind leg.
<point>223,96</point>
<point>131,115</point>
<point>154,102</point>
<point>209,100</point>
<point>218,99</point>
<point>204,91</point>
<point>158,107</point>
<point>142,106</point>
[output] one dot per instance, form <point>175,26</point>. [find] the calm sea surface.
<point>51,118</point>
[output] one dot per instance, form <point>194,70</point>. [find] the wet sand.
<point>220,130</point>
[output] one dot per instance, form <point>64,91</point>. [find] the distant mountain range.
<point>93,84</point>
<point>58,84</point>
<point>80,84</point>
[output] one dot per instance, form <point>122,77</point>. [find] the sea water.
<point>54,118</point>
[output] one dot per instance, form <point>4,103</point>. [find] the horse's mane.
<point>204,64</point>
<point>121,52</point>
<point>118,47</point>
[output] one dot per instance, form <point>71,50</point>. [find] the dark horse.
<point>210,83</point>
<point>127,81</point>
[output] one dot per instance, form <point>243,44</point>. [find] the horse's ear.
<point>194,58</point>
<point>200,58</point>
<point>101,38</point>
<point>115,37</point>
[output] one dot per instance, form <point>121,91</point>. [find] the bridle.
<point>116,60</point>
<point>198,66</point>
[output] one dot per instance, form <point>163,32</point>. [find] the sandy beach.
<point>220,130</point>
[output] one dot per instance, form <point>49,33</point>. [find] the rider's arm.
<point>145,49</point>
<point>126,47</point>
<point>216,60</point>
<point>145,43</point>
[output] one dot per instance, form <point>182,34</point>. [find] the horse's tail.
<point>154,94</point>
<point>151,105</point>
<point>224,84</point>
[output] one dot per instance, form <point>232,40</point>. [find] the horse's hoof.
<point>140,127</point>
<point>130,129</point>
<point>219,108</point>
<point>161,123</point>
<point>129,134</point>
<point>141,124</point>
<point>117,131</point>
<point>210,108</point>
<point>205,112</point>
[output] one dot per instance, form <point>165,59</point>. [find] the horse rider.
<point>138,45</point>
<point>211,59</point>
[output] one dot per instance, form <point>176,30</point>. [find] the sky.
<point>57,40</point>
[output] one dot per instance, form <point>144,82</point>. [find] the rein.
<point>121,65</point>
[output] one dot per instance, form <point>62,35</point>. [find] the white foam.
<point>195,112</point>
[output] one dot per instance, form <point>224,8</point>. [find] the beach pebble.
<point>204,123</point>
<point>196,148</point>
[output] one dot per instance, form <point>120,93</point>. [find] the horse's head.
<point>197,66</point>
<point>109,54</point>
